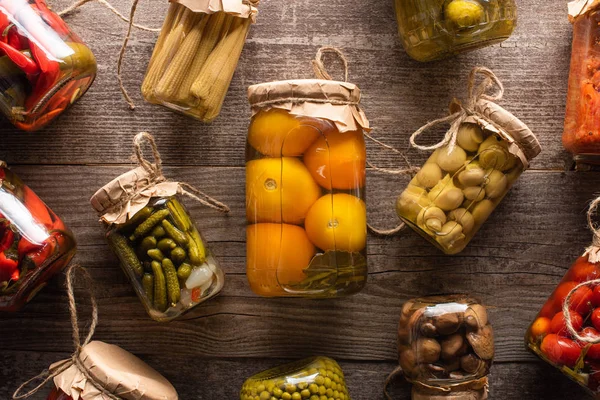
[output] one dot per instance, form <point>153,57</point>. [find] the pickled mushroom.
<point>471,364</point>
<point>447,324</point>
<point>464,13</point>
<point>429,175</point>
<point>451,160</point>
<point>493,153</point>
<point>472,175</point>
<point>427,350</point>
<point>496,184</point>
<point>451,346</point>
<point>411,202</point>
<point>463,217</point>
<point>482,342</point>
<point>451,233</point>
<point>431,219</point>
<point>474,193</point>
<point>445,195</point>
<point>476,317</point>
<point>408,362</point>
<point>482,210</point>
<point>469,137</point>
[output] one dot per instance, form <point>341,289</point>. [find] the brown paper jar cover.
<point>580,7</point>
<point>238,8</point>
<point>115,371</point>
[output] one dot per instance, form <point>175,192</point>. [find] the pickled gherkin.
<point>311,378</point>
<point>434,29</point>
<point>166,258</point>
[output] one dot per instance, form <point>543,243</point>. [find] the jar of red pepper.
<point>34,242</point>
<point>44,66</point>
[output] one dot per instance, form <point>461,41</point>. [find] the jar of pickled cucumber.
<point>446,347</point>
<point>34,243</point>
<point>157,242</point>
<point>434,29</point>
<point>582,128</point>
<point>305,189</point>
<point>45,67</point>
<point>316,377</point>
<point>461,184</point>
<point>107,368</point>
<point>196,55</point>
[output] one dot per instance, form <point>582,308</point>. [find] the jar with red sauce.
<point>581,134</point>
<point>44,66</point>
<point>34,242</point>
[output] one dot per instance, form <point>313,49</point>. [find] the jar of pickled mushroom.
<point>34,242</point>
<point>446,347</point>
<point>44,66</point>
<point>582,127</point>
<point>465,179</point>
<point>315,377</point>
<point>108,369</point>
<point>196,55</point>
<point>305,189</point>
<point>434,29</point>
<point>160,248</point>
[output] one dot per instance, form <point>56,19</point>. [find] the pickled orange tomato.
<point>337,160</point>
<point>277,254</point>
<point>277,133</point>
<point>540,327</point>
<point>338,222</point>
<point>279,190</point>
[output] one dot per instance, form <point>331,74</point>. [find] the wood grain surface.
<point>512,265</point>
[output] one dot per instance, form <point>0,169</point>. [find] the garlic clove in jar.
<point>493,153</point>
<point>472,175</point>
<point>451,235</point>
<point>469,136</point>
<point>463,217</point>
<point>429,175</point>
<point>431,219</point>
<point>451,160</point>
<point>482,210</point>
<point>474,193</point>
<point>411,202</point>
<point>496,184</point>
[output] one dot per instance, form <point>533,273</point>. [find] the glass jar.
<point>582,119</point>
<point>196,55</point>
<point>549,339</point>
<point>458,188</point>
<point>166,258</point>
<point>34,242</point>
<point>434,29</point>
<point>318,377</point>
<point>305,198</point>
<point>446,346</point>
<point>44,66</point>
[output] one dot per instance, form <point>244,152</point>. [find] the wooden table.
<point>512,265</point>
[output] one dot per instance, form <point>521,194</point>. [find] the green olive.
<point>431,219</point>
<point>411,202</point>
<point>496,184</point>
<point>451,160</point>
<point>429,175</point>
<point>451,235</point>
<point>474,193</point>
<point>482,210</point>
<point>463,217</point>
<point>472,175</point>
<point>464,13</point>
<point>469,137</point>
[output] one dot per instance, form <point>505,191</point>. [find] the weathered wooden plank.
<point>399,94</point>
<point>209,378</point>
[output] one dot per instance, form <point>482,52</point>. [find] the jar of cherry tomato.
<point>550,338</point>
<point>446,347</point>
<point>305,189</point>
<point>582,123</point>
<point>44,66</point>
<point>108,368</point>
<point>34,242</point>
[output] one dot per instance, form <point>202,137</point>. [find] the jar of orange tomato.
<point>305,189</point>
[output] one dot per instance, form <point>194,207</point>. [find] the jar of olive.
<point>434,29</point>
<point>316,377</point>
<point>160,248</point>
<point>445,347</point>
<point>461,183</point>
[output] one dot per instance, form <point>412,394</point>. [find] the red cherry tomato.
<point>561,293</point>
<point>596,318</point>
<point>548,310</point>
<point>594,377</point>
<point>558,326</point>
<point>581,300</point>
<point>560,350</point>
<point>583,270</point>
<point>596,296</point>
<point>594,350</point>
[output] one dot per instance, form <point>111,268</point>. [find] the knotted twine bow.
<point>156,175</point>
<point>458,117</point>
<point>593,254</point>
<point>57,368</point>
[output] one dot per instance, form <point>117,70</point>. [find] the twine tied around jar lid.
<point>593,254</point>
<point>56,369</point>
